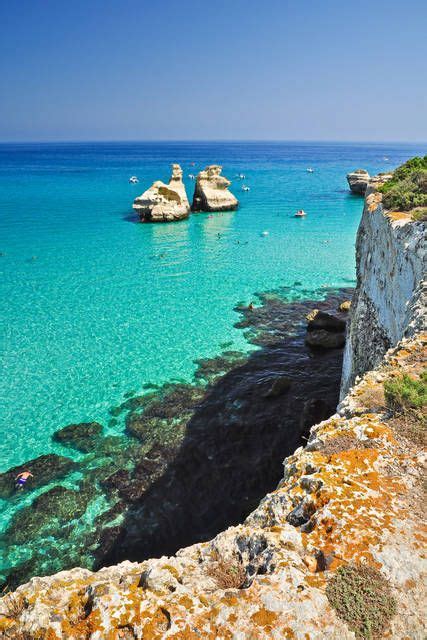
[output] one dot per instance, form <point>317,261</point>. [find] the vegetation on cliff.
<point>407,189</point>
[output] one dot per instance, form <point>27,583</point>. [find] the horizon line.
<point>211,141</point>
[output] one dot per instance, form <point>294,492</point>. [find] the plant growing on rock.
<point>362,597</point>
<point>407,189</point>
<point>405,393</point>
<point>228,572</point>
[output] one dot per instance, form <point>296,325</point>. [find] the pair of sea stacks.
<point>168,202</point>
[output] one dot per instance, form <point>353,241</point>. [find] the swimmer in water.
<point>22,478</point>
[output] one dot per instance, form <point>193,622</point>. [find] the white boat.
<point>133,179</point>
<point>300,213</point>
<point>245,188</point>
<point>310,170</point>
<point>191,176</point>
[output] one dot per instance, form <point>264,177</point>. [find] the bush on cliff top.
<point>405,393</point>
<point>362,597</point>
<point>407,189</point>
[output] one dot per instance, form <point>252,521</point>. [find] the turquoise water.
<point>95,305</point>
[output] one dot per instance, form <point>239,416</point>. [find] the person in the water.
<point>22,478</point>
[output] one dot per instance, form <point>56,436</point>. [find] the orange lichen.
<point>264,618</point>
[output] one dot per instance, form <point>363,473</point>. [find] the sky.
<point>225,69</point>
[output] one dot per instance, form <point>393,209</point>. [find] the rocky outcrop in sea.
<point>358,181</point>
<point>164,202</point>
<point>212,193</point>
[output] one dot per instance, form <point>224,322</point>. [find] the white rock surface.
<point>390,299</point>
<point>164,202</point>
<point>212,193</point>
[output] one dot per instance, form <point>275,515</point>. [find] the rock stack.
<point>164,202</point>
<point>212,193</point>
<point>358,181</point>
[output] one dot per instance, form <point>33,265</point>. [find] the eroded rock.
<point>322,339</point>
<point>358,181</point>
<point>164,202</point>
<point>212,192</point>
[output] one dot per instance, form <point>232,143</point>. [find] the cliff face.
<point>389,302</point>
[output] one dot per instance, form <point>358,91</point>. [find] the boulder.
<point>358,181</point>
<point>325,339</point>
<point>44,469</point>
<point>82,436</point>
<point>212,193</point>
<point>322,320</point>
<point>345,306</point>
<point>164,202</point>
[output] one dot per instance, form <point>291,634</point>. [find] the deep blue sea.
<point>95,304</point>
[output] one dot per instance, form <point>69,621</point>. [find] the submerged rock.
<point>212,193</point>
<point>44,469</point>
<point>164,202</point>
<point>358,181</point>
<point>48,512</point>
<point>82,436</point>
<point>279,386</point>
<point>325,339</point>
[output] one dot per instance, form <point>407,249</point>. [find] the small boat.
<point>264,233</point>
<point>245,188</point>
<point>191,176</point>
<point>310,170</point>
<point>192,164</point>
<point>386,159</point>
<point>300,213</point>
<point>133,179</point>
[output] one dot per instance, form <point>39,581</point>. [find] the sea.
<point>97,306</point>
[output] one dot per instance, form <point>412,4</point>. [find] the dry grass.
<point>372,398</point>
<point>345,443</point>
<point>228,573</point>
<point>12,604</point>
<point>362,597</point>
<point>412,425</point>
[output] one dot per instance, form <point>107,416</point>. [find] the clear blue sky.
<point>225,69</point>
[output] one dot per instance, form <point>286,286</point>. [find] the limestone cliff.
<point>390,298</point>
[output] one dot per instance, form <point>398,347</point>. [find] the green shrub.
<point>407,189</point>
<point>420,214</point>
<point>362,597</point>
<point>405,393</point>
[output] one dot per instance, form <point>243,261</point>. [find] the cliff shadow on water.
<point>194,459</point>
<point>240,430</point>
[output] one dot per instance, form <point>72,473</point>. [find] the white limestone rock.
<point>164,202</point>
<point>212,193</point>
<point>358,181</point>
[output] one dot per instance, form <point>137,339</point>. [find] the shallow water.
<point>96,306</point>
